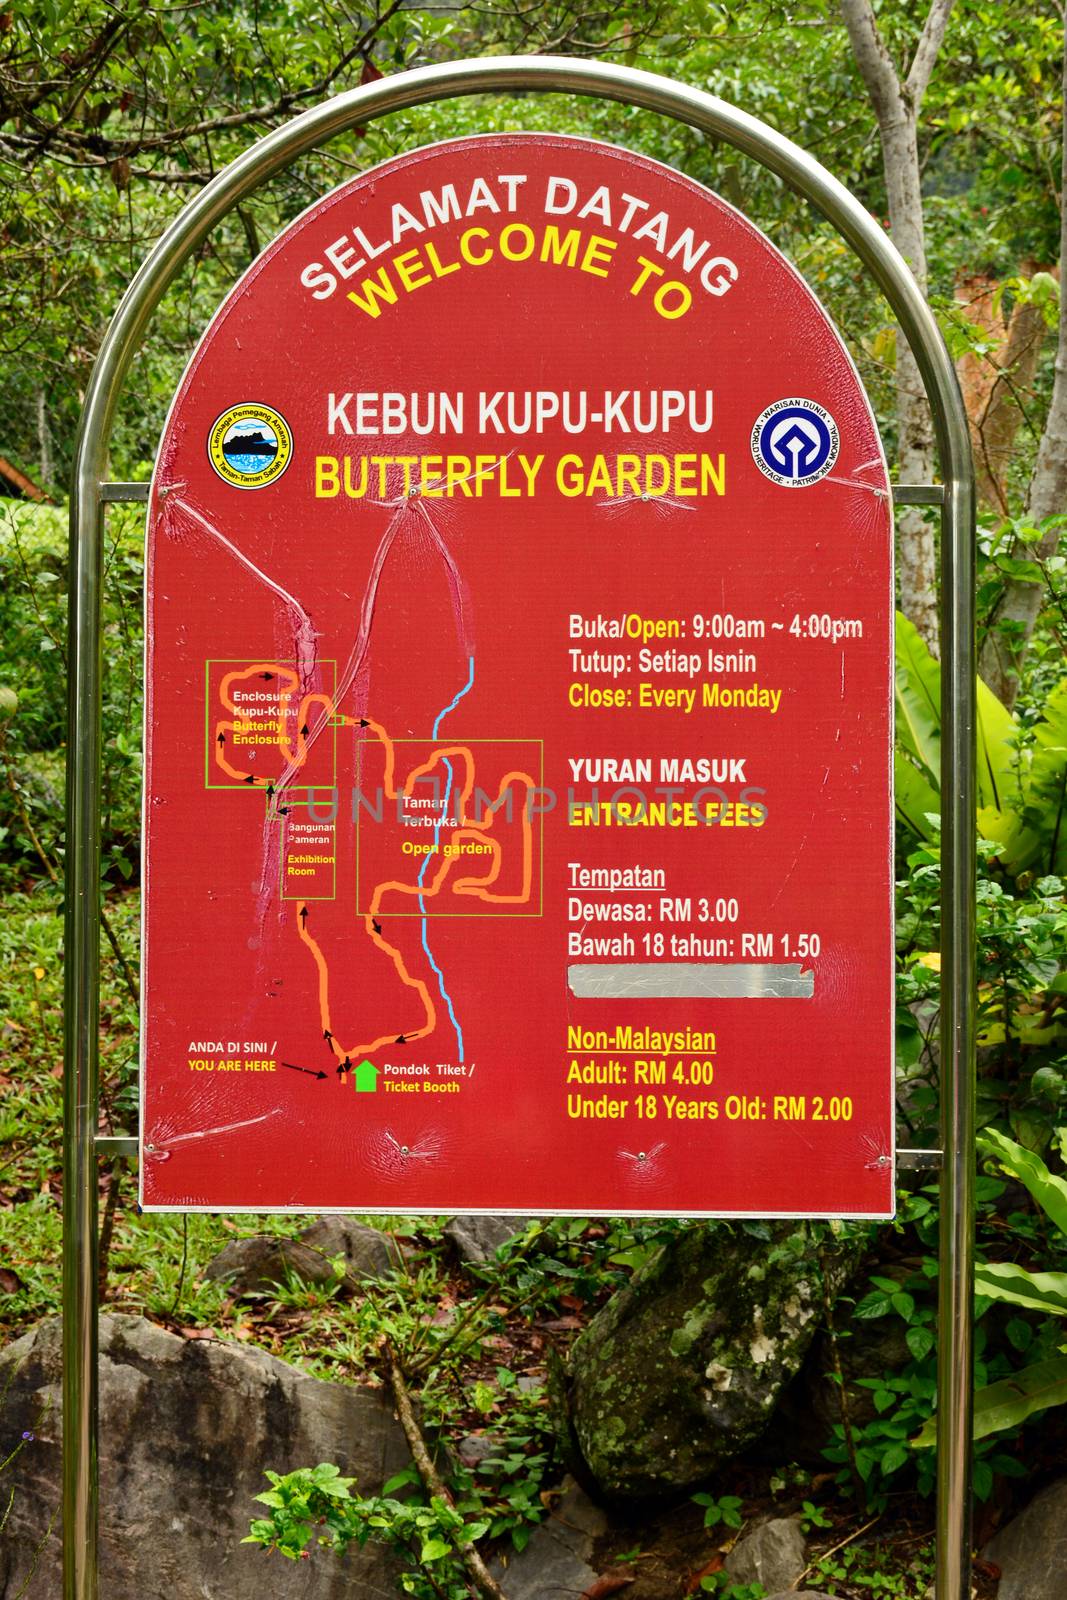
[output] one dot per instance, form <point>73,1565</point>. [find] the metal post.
<point>955,1351</point>
<point>80,1079</point>
<point>277,150</point>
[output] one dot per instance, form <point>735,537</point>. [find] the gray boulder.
<point>259,1264</point>
<point>367,1252</point>
<point>772,1553</point>
<point>1031,1551</point>
<point>556,1561</point>
<point>476,1447</point>
<point>681,1369</point>
<point>188,1428</point>
<point>477,1239</point>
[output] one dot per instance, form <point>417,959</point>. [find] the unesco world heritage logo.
<point>795,443</point>
<point>250,445</point>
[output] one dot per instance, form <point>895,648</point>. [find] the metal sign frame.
<point>91,492</point>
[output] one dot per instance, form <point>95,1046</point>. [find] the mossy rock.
<point>682,1368</point>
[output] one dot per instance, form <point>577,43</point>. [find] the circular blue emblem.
<point>250,445</point>
<point>795,443</point>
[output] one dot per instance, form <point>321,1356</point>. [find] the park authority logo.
<point>250,445</point>
<point>795,443</point>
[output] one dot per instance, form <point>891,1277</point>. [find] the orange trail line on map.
<point>345,1053</point>
<point>478,887</point>
<point>475,885</point>
<point>285,695</point>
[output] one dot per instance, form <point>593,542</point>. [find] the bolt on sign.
<point>517,801</point>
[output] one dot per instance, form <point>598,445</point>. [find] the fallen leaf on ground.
<point>608,1583</point>
<point>713,1566</point>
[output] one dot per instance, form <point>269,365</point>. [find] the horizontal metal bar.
<point>112,492</point>
<point>920,1160</point>
<point>919,494</point>
<point>905,494</point>
<point>119,1145</point>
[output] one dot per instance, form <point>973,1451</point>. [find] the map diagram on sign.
<point>444,828</point>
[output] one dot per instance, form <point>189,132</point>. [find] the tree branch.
<point>892,99</point>
<point>926,50</point>
<point>431,1478</point>
<point>55,136</point>
<point>874,61</point>
<point>93,56</point>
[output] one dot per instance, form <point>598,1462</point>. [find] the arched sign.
<point>518,821</point>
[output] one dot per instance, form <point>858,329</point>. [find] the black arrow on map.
<point>309,1070</point>
<point>363,722</point>
<point>375,924</point>
<point>222,738</point>
<point>270,788</point>
<point>328,1036</point>
<point>268,677</point>
<point>304,916</point>
<point>401,1038</point>
<point>305,730</point>
<point>283,811</point>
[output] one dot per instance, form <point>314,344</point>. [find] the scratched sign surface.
<point>517,811</point>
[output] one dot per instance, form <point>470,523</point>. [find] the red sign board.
<point>517,800</point>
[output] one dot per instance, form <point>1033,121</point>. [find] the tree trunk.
<point>1020,603</point>
<point>916,550</point>
<point>896,107</point>
<point>994,385</point>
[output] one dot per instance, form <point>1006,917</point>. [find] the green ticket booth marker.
<point>366,1077</point>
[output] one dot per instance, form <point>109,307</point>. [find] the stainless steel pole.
<point>715,118</point>
<point>80,1082</point>
<point>955,1351</point>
